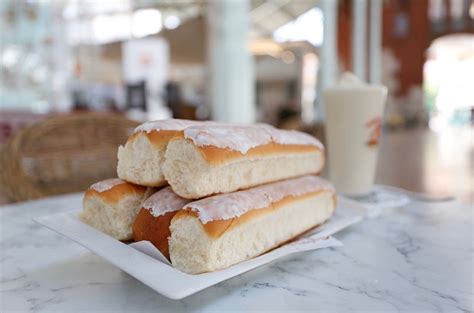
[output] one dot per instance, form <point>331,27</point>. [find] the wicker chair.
<point>62,154</point>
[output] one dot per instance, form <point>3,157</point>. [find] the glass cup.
<point>353,128</point>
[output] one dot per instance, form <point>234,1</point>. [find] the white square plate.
<point>144,262</point>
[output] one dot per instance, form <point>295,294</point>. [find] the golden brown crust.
<point>155,229</point>
<point>216,155</point>
<point>161,137</point>
<point>116,193</point>
<point>215,229</point>
<point>156,137</point>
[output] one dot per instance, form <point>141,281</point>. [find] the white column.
<point>62,63</point>
<point>329,57</point>
<point>232,84</point>
<point>375,45</point>
<point>359,38</point>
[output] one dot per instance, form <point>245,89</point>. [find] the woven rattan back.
<point>62,154</point>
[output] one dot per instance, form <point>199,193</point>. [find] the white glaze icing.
<point>243,138</point>
<point>169,124</point>
<point>227,206</point>
<point>164,201</point>
<point>107,184</point>
<point>240,138</point>
<point>293,137</point>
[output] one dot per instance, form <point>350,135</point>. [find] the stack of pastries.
<point>209,195</point>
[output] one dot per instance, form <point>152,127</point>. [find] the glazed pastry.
<point>140,159</point>
<point>210,159</point>
<point>222,230</point>
<point>155,227</point>
<point>112,205</point>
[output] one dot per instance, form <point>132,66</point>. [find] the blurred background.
<point>115,63</point>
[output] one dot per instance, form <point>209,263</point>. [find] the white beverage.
<point>354,112</point>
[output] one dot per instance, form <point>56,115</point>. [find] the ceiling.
<point>188,41</point>
<point>265,15</point>
<point>268,15</point>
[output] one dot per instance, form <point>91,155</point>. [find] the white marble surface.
<point>418,258</point>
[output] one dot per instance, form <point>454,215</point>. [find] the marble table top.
<point>418,258</point>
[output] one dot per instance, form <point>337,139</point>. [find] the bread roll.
<point>140,159</point>
<point>219,231</point>
<point>112,205</point>
<point>206,160</point>
<point>154,218</point>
